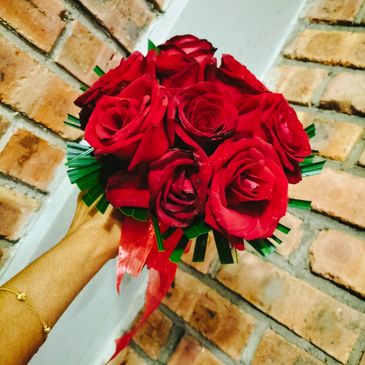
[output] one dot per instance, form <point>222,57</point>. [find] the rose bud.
<point>178,183</point>
<point>249,190</point>
<point>272,118</point>
<point>206,115</point>
<point>114,81</point>
<point>124,125</point>
<point>182,60</point>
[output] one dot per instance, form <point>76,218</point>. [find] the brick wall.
<point>304,305</point>
<point>47,50</point>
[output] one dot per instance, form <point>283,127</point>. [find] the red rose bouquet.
<point>183,146</point>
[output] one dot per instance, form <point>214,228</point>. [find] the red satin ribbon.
<point>139,248</point>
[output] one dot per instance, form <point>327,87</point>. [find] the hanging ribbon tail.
<point>137,240</point>
<point>160,278</point>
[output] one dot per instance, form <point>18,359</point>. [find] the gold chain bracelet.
<point>22,297</point>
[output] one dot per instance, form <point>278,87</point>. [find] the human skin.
<point>52,281</point>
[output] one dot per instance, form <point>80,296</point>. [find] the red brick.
<point>345,93</point>
<point>82,51</point>
<point>334,139</point>
<point>38,21</point>
<point>339,257</point>
<point>210,255</point>
<point>362,159</point>
<point>4,124</point>
<point>153,336</point>
<point>329,47</point>
<point>15,211</point>
<point>30,159</point>
<point>274,349</point>
<point>298,84</point>
<point>35,91</point>
<point>317,317</point>
<point>335,193</point>
<point>228,326</point>
<point>190,352</point>
<point>334,11</point>
<point>291,240</point>
<point>124,19</point>
<point>127,357</point>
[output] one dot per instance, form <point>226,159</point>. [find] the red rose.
<point>249,190</point>
<point>114,81</point>
<point>125,125</point>
<point>182,60</point>
<point>272,118</point>
<point>128,189</point>
<point>206,115</point>
<point>178,182</point>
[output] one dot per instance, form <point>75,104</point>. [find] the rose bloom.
<point>249,190</point>
<point>206,116</point>
<point>178,183</point>
<point>182,60</point>
<point>270,117</point>
<point>124,125</point>
<point>114,81</point>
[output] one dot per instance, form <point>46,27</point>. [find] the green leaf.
<point>311,130</point>
<point>152,46</point>
<point>313,168</point>
<point>301,204</point>
<point>88,181</point>
<point>83,88</point>
<point>72,146</point>
<point>169,231</point>
<point>74,156</point>
<point>262,246</point>
<point>140,214</point>
<point>90,197</point>
<point>72,125</point>
<point>179,249</point>
<point>99,71</point>
<point>102,204</point>
<point>82,162</point>
<point>223,248</point>
<point>158,234</point>
<point>276,239</point>
<point>200,248</point>
<point>308,160</point>
<point>196,230</point>
<point>280,227</point>
<point>72,118</point>
<point>78,173</point>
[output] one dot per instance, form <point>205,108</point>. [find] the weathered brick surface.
<point>4,124</point>
<point>334,11</point>
<point>336,193</point>
<point>339,257</point>
<point>189,351</point>
<point>38,21</point>
<point>127,357</point>
<point>362,362</point>
<point>153,334</point>
<point>334,139</point>
<point>298,84</point>
<point>32,89</point>
<point>362,159</point>
<point>212,315</point>
<point>82,51</point>
<point>329,47</point>
<point>345,93</point>
<point>319,318</point>
<point>30,159</point>
<point>274,349</point>
<point>124,19</point>
<point>210,255</point>
<point>291,240</point>
<point>15,211</point>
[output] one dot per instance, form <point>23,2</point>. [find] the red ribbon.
<point>138,248</point>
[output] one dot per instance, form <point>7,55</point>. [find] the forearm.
<point>51,283</point>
